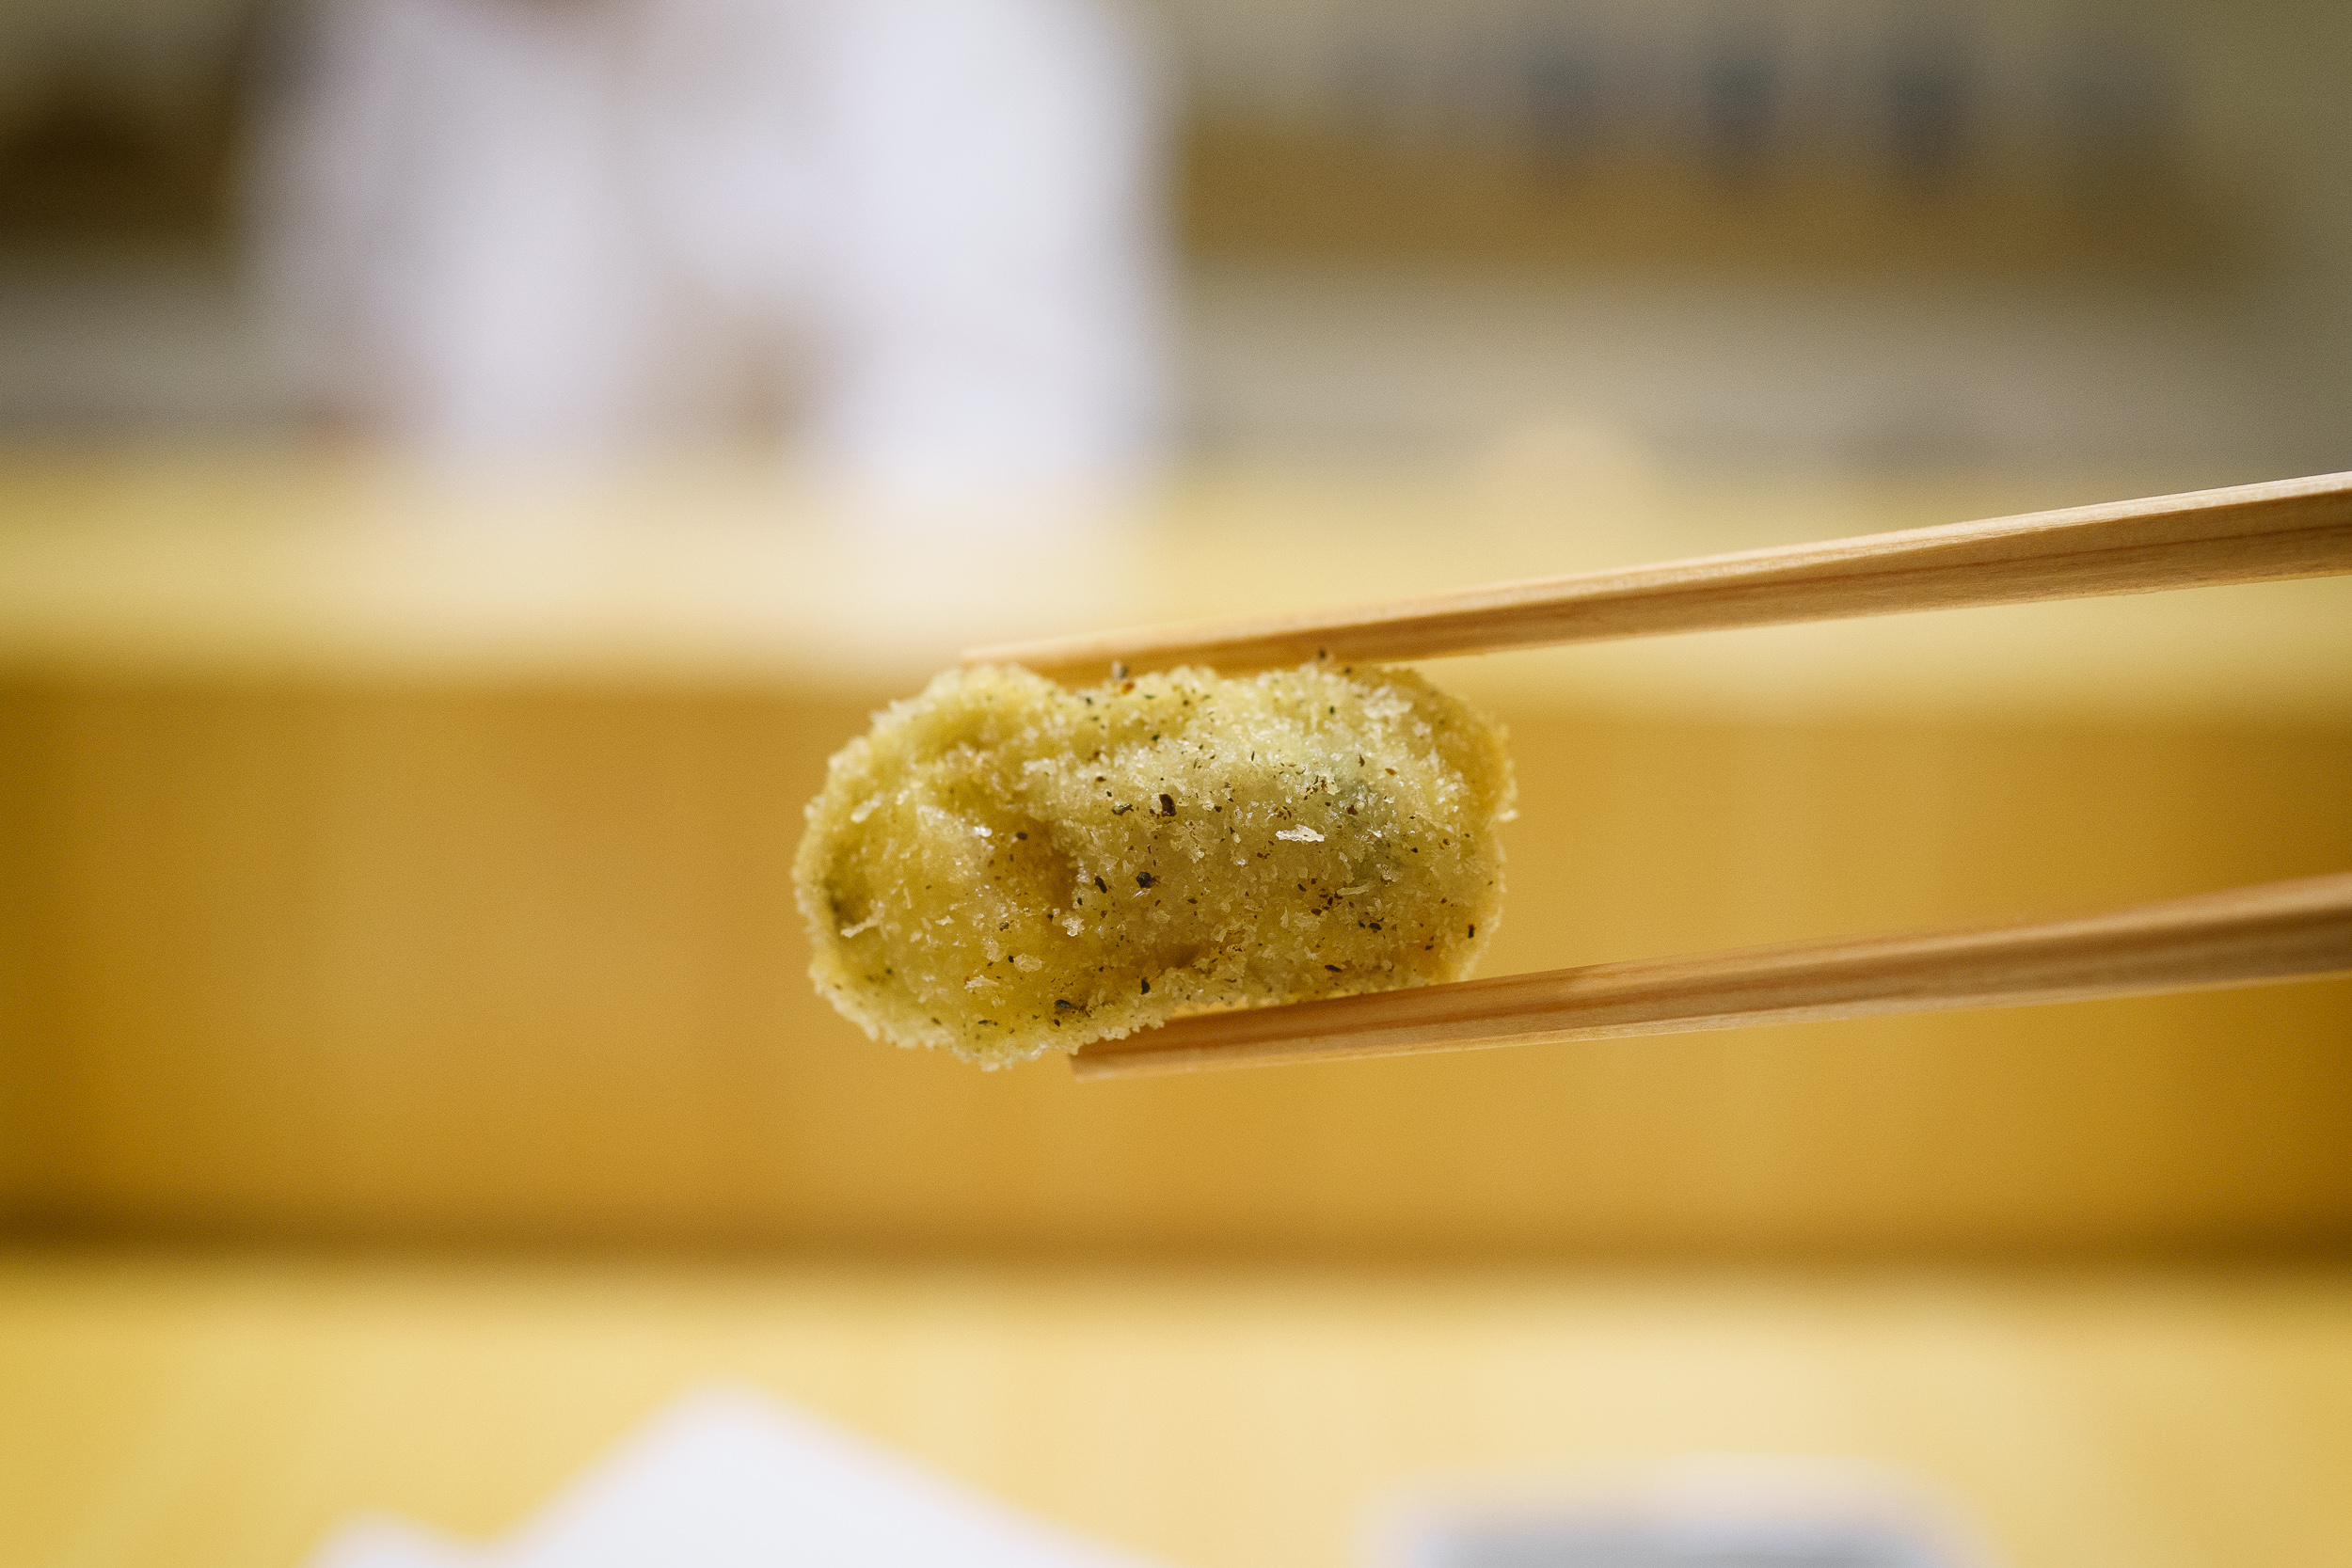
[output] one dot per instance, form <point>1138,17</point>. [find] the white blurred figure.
<point>558,228</point>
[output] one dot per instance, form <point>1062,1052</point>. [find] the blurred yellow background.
<point>407,1079</point>
<point>426,881</point>
<point>387,875</point>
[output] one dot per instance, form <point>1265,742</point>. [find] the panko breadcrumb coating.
<point>1004,868</point>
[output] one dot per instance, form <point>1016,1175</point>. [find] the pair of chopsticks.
<point>2279,932</point>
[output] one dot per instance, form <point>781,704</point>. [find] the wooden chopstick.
<point>2249,533</point>
<point>2245,936</point>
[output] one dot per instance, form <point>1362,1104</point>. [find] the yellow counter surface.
<point>190,1414</point>
<point>273,562</point>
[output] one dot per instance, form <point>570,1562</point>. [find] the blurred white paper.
<point>725,1479</point>
<point>391,1544</point>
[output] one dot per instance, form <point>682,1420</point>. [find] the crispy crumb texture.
<point>1004,868</point>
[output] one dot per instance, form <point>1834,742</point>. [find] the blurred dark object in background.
<point>119,124</point>
<point>1855,138</point>
<point>1851,234</point>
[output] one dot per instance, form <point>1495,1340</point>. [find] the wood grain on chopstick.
<point>2250,533</point>
<point>2246,935</point>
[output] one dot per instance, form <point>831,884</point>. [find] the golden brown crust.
<point>1006,867</point>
